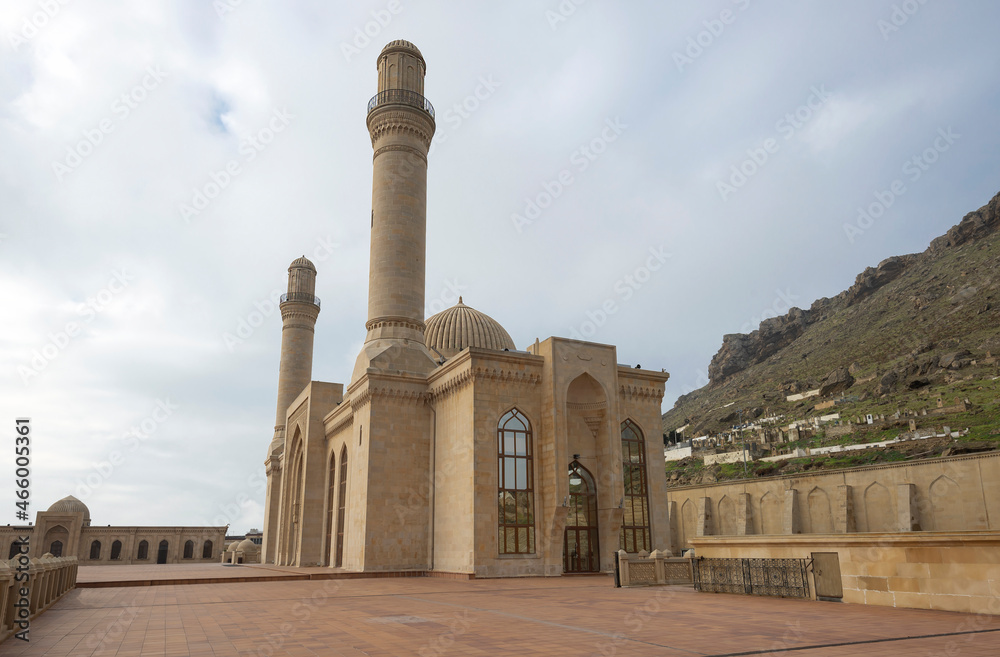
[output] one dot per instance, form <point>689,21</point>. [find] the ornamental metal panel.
<point>786,578</point>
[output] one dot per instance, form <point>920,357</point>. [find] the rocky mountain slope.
<point>912,322</point>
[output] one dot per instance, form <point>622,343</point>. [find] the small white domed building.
<point>450,450</point>
<point>65,530</point>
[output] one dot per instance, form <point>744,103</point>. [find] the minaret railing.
<point>400,97</point>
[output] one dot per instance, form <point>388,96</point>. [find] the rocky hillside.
<point>911,322</point>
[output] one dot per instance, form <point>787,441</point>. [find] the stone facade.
<point>64,530</point>
<point>959,493</point>
<point>450,450</point>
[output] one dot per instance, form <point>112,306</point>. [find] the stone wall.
<point>951,571</point>
<point>943,494</point>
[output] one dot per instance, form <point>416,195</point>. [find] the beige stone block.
<point>913,570</point>
<point>853,568</point>
<point>849,581</point>
<point>880,598</point>
<point>904,584</point>
<point>912,600</point>
<point>854,596</point>
<point>873,583</point>
<point>881,569</point>
<point>923,555</point>
<point>962,603</point>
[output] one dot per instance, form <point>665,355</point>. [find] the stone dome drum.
<point>452,330</point>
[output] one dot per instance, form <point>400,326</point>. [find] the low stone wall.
<point>951,494</point>
<point>647,569</point>
<point>728,457</point>
<point>49,578</point>
<point>951,571</point>
<point>677,454</point>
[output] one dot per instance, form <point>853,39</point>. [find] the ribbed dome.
<point>458,327</point>
<point>70,504</point>
<point>400,44</point>
<point>302,263</point>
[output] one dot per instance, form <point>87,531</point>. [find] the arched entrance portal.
<point>581,550</point>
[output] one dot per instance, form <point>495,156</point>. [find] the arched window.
<point>15,549</point>
<point>116,551</point>
<point>189,550</point>
<point>515,489</point>
<point>143,550</point>
<point>161,552</point>
<point>95,550</point>
<point>56,548</point>
<point>206,550</point>
<point>330,492</point>
<point>635,525</point>
<point>342,507</point>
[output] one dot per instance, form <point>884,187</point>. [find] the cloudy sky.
<point>652,175</point>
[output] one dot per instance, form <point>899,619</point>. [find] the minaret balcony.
<point>300,296</point>
<point>400,97</point>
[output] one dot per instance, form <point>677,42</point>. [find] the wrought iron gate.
<point>785,578</point>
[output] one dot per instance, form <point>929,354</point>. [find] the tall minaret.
<point>401,124</point>
<point>299,310</point>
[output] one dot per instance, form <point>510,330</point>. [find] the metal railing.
<point>400,97</point>
<point>785,578</point>
<point>300,296</point>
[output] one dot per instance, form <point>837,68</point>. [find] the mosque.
<point>450,450</point>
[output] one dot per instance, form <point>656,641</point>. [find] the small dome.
<point>302,263</point>
<point>452,330</point>
<point>70,504</point>
<point>248,546</point>
<point>400,44</point>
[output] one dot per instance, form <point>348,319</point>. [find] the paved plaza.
<point>431,616</point>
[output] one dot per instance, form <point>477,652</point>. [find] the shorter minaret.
<point>299,310</point>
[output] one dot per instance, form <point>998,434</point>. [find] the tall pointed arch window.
<point>95,550</point>
<point>635,525</point>
<point>143,550</point>
<point>331,497</point>
<point>341,508</point>
<point>516,492</point>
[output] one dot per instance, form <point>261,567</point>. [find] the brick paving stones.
<point>523,617</point>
